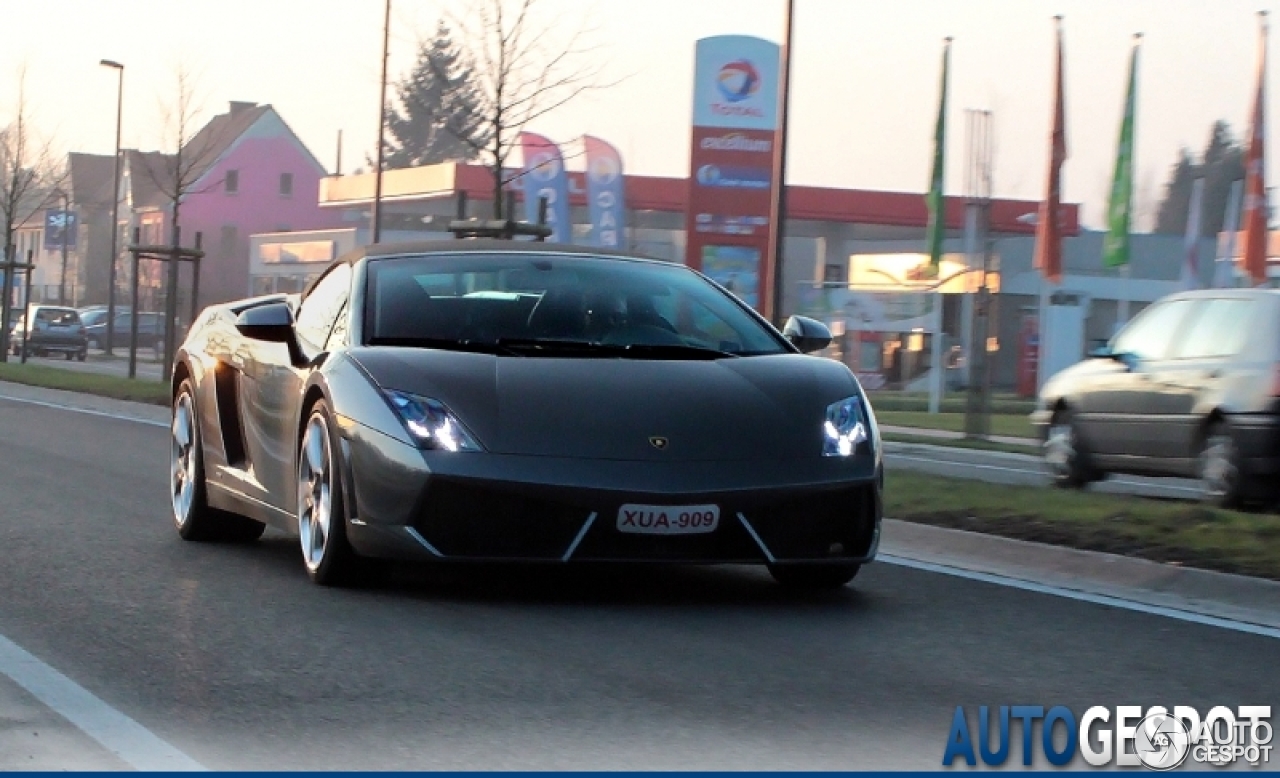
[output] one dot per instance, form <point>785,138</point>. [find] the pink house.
<point>257,177</point>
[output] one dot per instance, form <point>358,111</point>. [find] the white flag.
<point>1191,245</point>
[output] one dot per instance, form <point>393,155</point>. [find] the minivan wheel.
<point>1064,455</point>
<point>1219,468</point>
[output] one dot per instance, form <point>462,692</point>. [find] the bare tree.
<point>31,174</point>
<point>179,173</point>
<point>188,151</point>
<point>524,68</point>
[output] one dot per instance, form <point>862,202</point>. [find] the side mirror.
<point>272,323</point>
<point>808,335</point>
<point>1102,352</point>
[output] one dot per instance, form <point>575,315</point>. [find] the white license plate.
<point>668,519</point>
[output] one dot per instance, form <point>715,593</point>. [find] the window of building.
<point>233,181</point>
<point>286,185</point>
<point>227,240</point>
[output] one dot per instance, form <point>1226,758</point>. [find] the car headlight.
<point>845,428</point>
<point>430,424</point>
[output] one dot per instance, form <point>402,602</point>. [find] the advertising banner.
<point>55,224</point>
<point>735,105</point>
<point>545,176</point>
<point>606,195</point>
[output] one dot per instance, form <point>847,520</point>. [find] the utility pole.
<point>115,207</point>
<point>978,186</point>
<point>778,213</point>
<point>382,128</point>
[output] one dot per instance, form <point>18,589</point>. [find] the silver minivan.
<point>1189,388</point>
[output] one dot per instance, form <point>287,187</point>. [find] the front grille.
<point>478,521</point>
<point>468,521</point>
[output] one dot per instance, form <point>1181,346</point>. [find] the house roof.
<point>146,168</point>
<point>91,178</point>
<point>213,139</point>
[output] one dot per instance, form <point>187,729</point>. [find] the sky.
<point>865,78</point>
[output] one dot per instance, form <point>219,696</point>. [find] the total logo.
<point>737,82</point>
<point>604,170</point>
<point>544,166</point>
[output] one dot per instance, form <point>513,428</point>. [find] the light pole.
<point>778,211</point>
<point>382,126</point>
<point>115,206</point>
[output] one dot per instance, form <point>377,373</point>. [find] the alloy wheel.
<point>1060,450</point>
<point>182,459</point>
<point>315,493</point>
<point>1218,466</point>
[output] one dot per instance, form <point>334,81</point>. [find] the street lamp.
<point>778,206</point>
<point>115,205</point>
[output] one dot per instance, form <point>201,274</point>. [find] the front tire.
<point>1219,468</point>
<point>322,515</point>
<point>192,516</point>
<point>814,577</point>
<point>1064,454</point>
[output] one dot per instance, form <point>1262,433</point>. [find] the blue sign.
<point>606,193</point>
<point>545,177</point>
<point>58,224</point>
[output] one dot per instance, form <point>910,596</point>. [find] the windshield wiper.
<point>596,348</point>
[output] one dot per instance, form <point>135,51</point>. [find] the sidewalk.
<point>924,432</point>
<point>1210,595</point>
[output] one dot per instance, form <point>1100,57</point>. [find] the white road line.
<point>1074,594</point>
<point>88,411</point>
<point>116,732</point>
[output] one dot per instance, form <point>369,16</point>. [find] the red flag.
<point>1048,257</point>
<point>1254,257</point>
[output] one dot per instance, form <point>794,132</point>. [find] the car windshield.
<point>532,304</point>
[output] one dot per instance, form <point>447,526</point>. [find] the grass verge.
<point>1017,425</point>
<point>1173,532</point>
<point>952,402</point>
<point>149,391</point>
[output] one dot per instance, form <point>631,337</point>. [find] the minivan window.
<point>1219,328</point>
<point>1150,335</point>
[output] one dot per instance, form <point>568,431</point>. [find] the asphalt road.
<point>229,654</point>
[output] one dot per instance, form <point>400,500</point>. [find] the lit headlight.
<point>844,428</point>
<point>430,424</point>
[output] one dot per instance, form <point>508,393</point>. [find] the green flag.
<point>937,222</point>
<point>1115,247</point>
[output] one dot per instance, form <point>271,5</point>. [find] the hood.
<point>749,408</point>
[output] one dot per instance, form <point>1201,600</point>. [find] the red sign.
<point>731,164</point>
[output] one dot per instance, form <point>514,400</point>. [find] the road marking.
<point>119,734</point>
<point>1075,594</point>
<point>88,411</point>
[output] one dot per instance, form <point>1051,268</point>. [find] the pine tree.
<point>439,116</point>
<point>1221,165</point>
